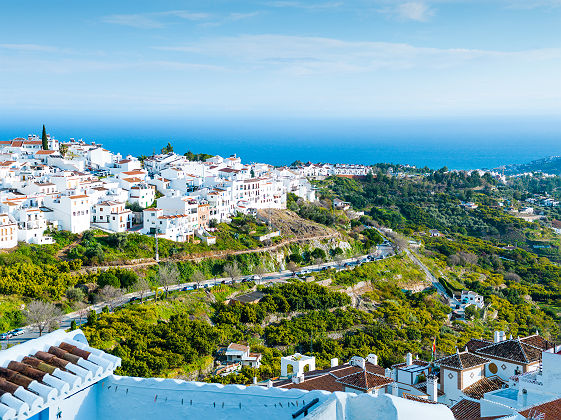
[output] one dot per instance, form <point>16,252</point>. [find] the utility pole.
<point>157,255</point>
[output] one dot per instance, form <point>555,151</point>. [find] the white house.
<point>143,194</point>
<point>71,211</point>
<point>239,353</point>
<point>111,216</point>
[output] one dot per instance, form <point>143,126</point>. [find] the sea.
<point>457,143</point>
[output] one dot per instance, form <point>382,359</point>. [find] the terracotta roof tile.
<point>463,360</point>
<point>550,410</point>
<point>466,410</point>
<point>514,350</point>
<point>479,388</point>
<point>364,380</point>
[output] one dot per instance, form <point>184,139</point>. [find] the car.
<point>305,271</point>
<point>5,336</point>
<point>134,299</point>
<point>18,331</point>
<point>256,278</point>
<point>184,289</point>
<point>324,268</point>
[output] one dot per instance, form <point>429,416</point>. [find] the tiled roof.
<point>537,341</point>
<point>329,379</point>
<point>324,383</point>
<point>238,347</point>
<point>418,398</point>
<point>476,343</point>
<point>422,386</point>
<point>463,360</point>
<point>514,350</point>
<point>466,410</point>
<point>364,380</point>
<point>479,388</point>
<point>550,410</point>
<point>36,373</point>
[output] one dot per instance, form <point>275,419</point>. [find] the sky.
<point>112,60</point>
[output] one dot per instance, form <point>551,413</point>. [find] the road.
<point>382,251</point>
<point>439,288</point>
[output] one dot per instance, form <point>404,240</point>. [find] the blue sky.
<point>280,58</point>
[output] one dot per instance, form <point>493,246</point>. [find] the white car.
<point>17,331</point>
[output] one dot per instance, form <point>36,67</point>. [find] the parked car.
<point>256,278</point>
<point>134,299</point>
<point>18,331</point>
<point>6,335</point>
<point>184,289</point>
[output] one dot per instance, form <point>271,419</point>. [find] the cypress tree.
<point>44,139</point>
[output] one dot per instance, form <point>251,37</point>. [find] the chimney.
<point>372,358</point>
<point>334,362</point>
<point>358,362</point>
<point>298,379</point>
<point>395,390</point>
<point>254,380</point>
<point>497,337</point>
<point>408,359</point>
<point>503,335</point>
<point>269,384</point>
<point>432,387</point>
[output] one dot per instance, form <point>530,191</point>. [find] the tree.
<point>167,149</point>
<point>168,275</point>
<point>62,149</point>
<point>74,294</point>
<point>109,295</point>
<point>83,311</point>
<point>44,139</point>
<point>42,314</point>
<point>198,278</point>
<point>259,270</point>
<point>339,259</point>
<point>291,266</point>
<point>142,286</point>
<point>232,270</point>
<point>73,325</point>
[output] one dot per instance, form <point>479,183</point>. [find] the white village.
<point>76,186</point>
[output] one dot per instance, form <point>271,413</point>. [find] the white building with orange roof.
<point>128,164</point>
<point>178,227</point>
<point>143,194</point>
<point>42,155</point>
<point>72,212</point>
<point>111,216</point>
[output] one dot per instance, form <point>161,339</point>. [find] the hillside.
<point>549,165</point>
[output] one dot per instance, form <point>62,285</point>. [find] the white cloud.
<point>29,47</point>
<point>153,20</point>
<point>417,11</point>
<point>304,5</point>
<point>314,55</point>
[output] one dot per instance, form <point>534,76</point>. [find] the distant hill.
<point>550,165</point>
